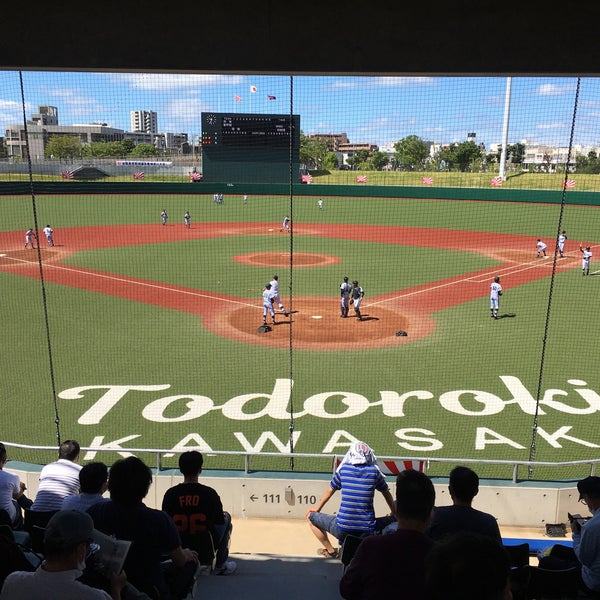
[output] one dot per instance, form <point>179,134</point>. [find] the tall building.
<point>143,120</point>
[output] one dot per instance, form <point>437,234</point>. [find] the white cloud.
<point>167,81</point>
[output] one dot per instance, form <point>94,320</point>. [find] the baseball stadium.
<point>140,335</point>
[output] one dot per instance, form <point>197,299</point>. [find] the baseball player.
<point>164,216</point>
<point>345,288</point>
<point>357,294</point>
<point>285,226</point>
<point>268,301</point>
<point>274,283</point>
<point>320,204</point>
<point>49,233</point>
<point>187,219</point>
<point>562,238</point>
<point>495,293</point>
<point>30,238</point>
<point>585,260</point>
<point>541,249</point>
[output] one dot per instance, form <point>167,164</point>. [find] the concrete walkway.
<point>277,559</point>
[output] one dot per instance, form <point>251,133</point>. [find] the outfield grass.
<point>100,340</point>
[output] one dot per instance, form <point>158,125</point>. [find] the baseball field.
<point>130,334</point>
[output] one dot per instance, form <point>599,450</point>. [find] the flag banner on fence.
<point>138,175</point>
<point>306,178</point>
<point>271,97</point>
<point>569,183</point>
<point>361,179</point>
<point>253,88</point>
<point>237,98</point>
<point>427,180</point>
<point>394,467</point>
<point>68,174</point>
<point>195,176</point>
<point>497,181</point>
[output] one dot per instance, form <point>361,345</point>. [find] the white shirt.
<point>494,289</point>
<point>46,585</point>
<point>48,231</point>
<point>9,485</point>
<point>58,480</point>
<point>274,287</point>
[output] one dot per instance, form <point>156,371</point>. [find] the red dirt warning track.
<point>315,323</point>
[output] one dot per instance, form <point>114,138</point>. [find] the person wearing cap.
<point>357,294</point>
<point>67,540</point>
<point>275,291</point>
<point>345,288</point>
<point>268,301</point>
<point>586,540</point>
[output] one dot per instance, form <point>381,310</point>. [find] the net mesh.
<point>130,330</point>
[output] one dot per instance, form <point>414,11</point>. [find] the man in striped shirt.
<point>58,479</point>
<point>357,476</point>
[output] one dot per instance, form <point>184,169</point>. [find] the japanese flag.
<point>253,88</point>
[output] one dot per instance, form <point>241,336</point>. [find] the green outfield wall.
<point>312,190</point>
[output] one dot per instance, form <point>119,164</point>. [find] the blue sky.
<point>378,110</point>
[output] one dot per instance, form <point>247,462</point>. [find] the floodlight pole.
<point>502,172</point>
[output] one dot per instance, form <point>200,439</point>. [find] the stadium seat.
<point>202,542</point>
<point>349,547</point>
<point>518,554</point>
<point>35,524</point>
<point>549,583</point>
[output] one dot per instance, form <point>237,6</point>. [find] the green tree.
<point>516,153</point>
<point>379,160</point>
<point>104,149</point>
<point>330,161</point>
<point>144,150</point>
<point>464,156</point>
<point>411,151</point>
<point>128,145</point>
<point>63,146</point>
<point>360,159</point>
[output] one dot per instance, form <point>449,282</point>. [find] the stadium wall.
<point>8,188</point>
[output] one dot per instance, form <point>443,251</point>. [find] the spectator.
<point>585,553</point>
<point>12,493</point>
<point>468,566</point>
<point>66,542</point>
<point>93,482</point>
<point>152,532</point>
<point>195,507</point>
<point>58,479</point>
<point>384,564</point>
<point>358,476</point>
<point>461,516</point>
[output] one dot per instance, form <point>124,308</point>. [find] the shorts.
<point>329,523</point>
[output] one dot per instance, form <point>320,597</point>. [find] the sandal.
<point>322,552</point>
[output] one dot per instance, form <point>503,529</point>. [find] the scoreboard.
<point>249,147</point>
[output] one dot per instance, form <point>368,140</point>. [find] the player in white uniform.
<point>268,301</point>
<point>285,226</point>
<point>562,238</point>
<point>49,233</point>
<point>541,249</point>
<point>164,216</point>
<point>357,294</point>
<point>187,219</point>
<point>345,288</point>
<point>275,289</point>
<point>495,293</point>
<point>320,204</point>
<point>30,238</point>
<point>585,260</point>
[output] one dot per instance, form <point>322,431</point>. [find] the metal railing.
<point>331,459</point>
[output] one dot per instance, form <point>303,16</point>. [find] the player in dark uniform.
<point>357,294</point>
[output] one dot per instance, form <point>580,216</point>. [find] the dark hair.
<point>129,480</point>
<point>464,483</point>
<point>2,452</point>
<point>467,566</point>
<point>415,495</point>
<point>92,477</point>
<point>190,463</point>
<point>69,450</point>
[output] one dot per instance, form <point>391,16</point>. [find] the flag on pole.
<point>253,88</point>
<point>138,175</point>
<point>271,97</point>
<point>68,174</point>
<point>569,183</point>
<point>427,180</point>
<point>307,178</point>
<point>497,181</point>
<point>195,176</point>
<point>361,179</point>
<point>237,98</point>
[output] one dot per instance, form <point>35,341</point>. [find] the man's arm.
<point>390,501</point>
<point>181,556</point>
<point>324,498</point>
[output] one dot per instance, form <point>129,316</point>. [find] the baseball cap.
<point>589,485</point>
<point>68,528</point>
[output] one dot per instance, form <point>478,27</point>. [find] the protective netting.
<point>129,330</point>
